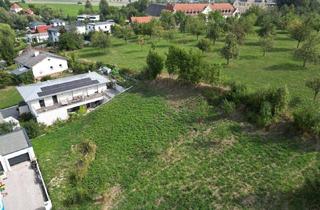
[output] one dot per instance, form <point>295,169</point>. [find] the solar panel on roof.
<point>49,90</point>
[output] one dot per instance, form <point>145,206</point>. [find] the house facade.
<point>15,8</point>
<point>100,26</point>
<point>243,5</point>
<point>37,37</point>
<point>54,34</point>
<point>54,99</point>
<point>57,22</point>
<point>86,17</point>
<point>41,63</point>
<point>193,9</point>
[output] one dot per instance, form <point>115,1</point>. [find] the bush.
<point>25,78</point>
<point>307,119</point>
<point>154,64</point>
<point>6,128</point>
<point>82,110</point>
<point>45,78</point>
<point>265,117</point>
<point>228,107</point>
<point>33,128</point>
<point>238,93</point>
<point>6,79</point>
<point>204,45</point>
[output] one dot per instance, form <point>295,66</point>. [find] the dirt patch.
<point>57,180</point>
<point>110,198</point>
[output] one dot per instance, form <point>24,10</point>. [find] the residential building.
<point>54,99</point>
<point>15,8</point>
<point>90,18</point>
<point>57,22</point>
<point>243,5</point>
<point>20,174</point>
<point>81,28</point>
<point>100,26</point>
<point>141,20</point>
<point>155,9</point>
<point>41,63</point>
<point>35,24</point>
<point>54,34</point>
<point>193,9</point>
<point>37,37</point>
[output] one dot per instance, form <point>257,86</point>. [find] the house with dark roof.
<point>192,9</point>
<point>155,9</point>
<point>53,100</point>
<point>41,63</point>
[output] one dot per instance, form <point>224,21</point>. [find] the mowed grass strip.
<point>9,96</point>
<point>155,155</point>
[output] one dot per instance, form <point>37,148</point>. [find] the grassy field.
<point>9,96</point>
<point>276,69</point>
<point>165,148</point>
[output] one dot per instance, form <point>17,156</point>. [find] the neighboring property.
<point>20,174</point>
<point>54,34</point>
<point>37,37</point>
<point>28,11</point>
<point>81,28</point>
<point>243,5</point>
<point>141,20</point>
<point>54,99</point>
<point>155,9</point>
<point>57,22</point>
<point>41,63</point>
<point>192,9</point>
<point>15,8</point>
<point>100,26</point>
<point>34,25</point>
<point>90,18</point>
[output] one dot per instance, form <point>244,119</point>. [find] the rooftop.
<point>186,7</point>
<point>102,23</point>
<point>31,57</point>
<point>13,142</point>
<point>144,19</point>
<point>66,84</point>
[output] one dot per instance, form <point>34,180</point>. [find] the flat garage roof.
<point>24,190</point>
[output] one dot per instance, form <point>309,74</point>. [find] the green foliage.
<point>103,8</point>
<point>155,64</point>
<point>228,107</point>
<point>195,26</point>
<point>25,78</point>
<point>309,51</point>
<point>214,31</point>
<point>82,110</point>
<point>212,74</point>
<point>266,43</point>
<point>299,31</point>
<point>307,119</point>
<point>167,20</point>
<point>100,40</point>
<point>7,41</point>
<point>124,32</point>
<point>204,45</point>
<point>5,127</point>
<point>314,84</point>
<point>6,79</point>
<point>230,50</point>
<point>70,41</point>
<point>265,115</point>
<point>33,128</point>
<point>46,78</point>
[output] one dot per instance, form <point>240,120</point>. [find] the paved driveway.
<point>22,188</point>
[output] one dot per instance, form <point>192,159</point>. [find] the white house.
<point>54,34</point>
<point>41,63</point>
<point>57,22</point>
<point>100,26</point>
<point>81,28</point>
<point>19,167</point>
<point>55,99</point>
<point>15,8</point>
<point>243,5</point>
<point>37,37</point>
<point>85,17</point>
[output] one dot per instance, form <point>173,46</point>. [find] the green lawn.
<point>153,153</point>
<point>276,69</point>
<point>9,96</point>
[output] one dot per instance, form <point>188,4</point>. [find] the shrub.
<point>204,45</point>
<point>82,110</point>
<point>154,64</point>
<point>228,107</point>
<point>307,119</point>
<point>33,128</point>
<point>6,79</point>
<point>5,128</point>
<point>238,93</point>
<point>26,117</point>
<point>45,78</point>
<point>265,115</point>
<point>26,78</point>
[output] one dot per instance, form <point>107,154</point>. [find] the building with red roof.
<point>43,28</point>
<point>15,8</point>
<point>225,9</point>
<point>141,20</point>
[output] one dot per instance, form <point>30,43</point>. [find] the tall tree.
<point>230,50</point>
<point>103,8</point>
<point>88,7</point>
<point>70,41</point>
<point>100,40</point>
<point>7,41</point>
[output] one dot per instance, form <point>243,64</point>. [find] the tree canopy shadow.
<point>248,57</point>
<point>284,67</point>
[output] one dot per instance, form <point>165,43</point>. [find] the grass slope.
<point>9,96</point>
<point>276,69</point>
<point>153,149</point>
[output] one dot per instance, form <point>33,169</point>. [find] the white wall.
<point>81,29</point>
<point>5,159</point>
<point>43,68</point>
<point>49,117</point>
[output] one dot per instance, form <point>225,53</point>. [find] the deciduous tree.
<point>230,50</point>
<point>314,84</point>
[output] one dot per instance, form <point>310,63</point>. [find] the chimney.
<point>36,53</point>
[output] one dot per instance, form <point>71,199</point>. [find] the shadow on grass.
<point>284,67</point>
<point>94,53</point>
<point>281,49</point>
<point>252,44</point>
<point>248,57</point>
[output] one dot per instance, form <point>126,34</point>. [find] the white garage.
<point>15,148</point>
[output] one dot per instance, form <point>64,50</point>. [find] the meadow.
<point>277,68</point>
<point>163,146</point>
<point>9,96</point>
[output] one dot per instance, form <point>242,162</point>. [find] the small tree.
<point>101,40</point>
<point>299,31</point>
<point>309,51</point>
<point>103,8</point>
<point>266,43</point>
<point>230,50</point>
<point>70,41</point>
<point>204,45</point>
<point>212,74</point>
<point>214,31</point>
<point>195,26</point>
<point>314,84</point>
<point>154,64</point>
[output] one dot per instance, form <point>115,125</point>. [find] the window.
<point>55,99</point>
<point>51,67</point>
<point>60,65</point>
<point>41,102</point>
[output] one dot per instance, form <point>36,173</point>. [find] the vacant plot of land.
<point>168,149</point>
<point>277,68</point>
<point>9,96</point>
